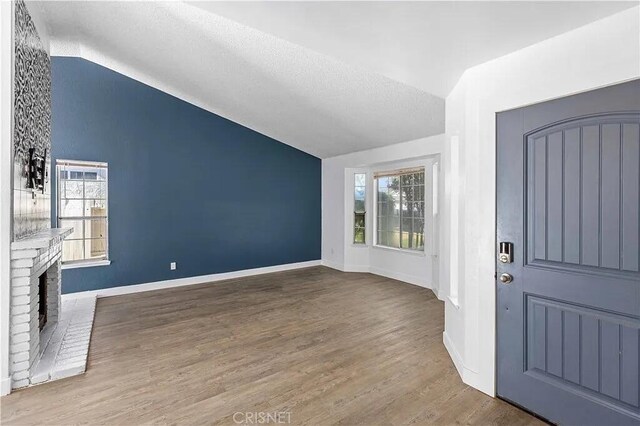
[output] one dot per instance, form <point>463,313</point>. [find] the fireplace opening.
<point>42,298</point>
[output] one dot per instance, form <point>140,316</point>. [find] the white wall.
<point>338,250</point>
<point>6,150</point>
<point>602,53</point>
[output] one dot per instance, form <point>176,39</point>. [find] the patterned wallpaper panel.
<point>32,124</point>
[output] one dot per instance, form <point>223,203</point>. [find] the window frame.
<point>393,173</point>
<point>86,262</point>
<point>357,212</point>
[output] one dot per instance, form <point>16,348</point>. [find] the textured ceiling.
<point>426,44</point>
<point>327,78</point>
<point>300,97</point>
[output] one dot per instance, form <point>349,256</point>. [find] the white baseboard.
<point>201,279</point>
<point>333,265</point>
<point>407,278</point>
<point>436,291</point>
<point>357,268</point>
<point>345,268</point>
<point>476,380</point>
<point>468,376</point>
<point>410,279</point>
<point>5,386</point>
<point>454,354</point>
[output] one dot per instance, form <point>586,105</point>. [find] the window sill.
<point>359,245</point>
<point>420,253</point>
<point>89,264</point>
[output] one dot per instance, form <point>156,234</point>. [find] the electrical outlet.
<point>173,266</point>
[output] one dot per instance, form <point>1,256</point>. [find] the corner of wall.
<point>333,265</point>
<point>5,386</point>
<point>439,293</point>
<point>400,276</point>
<point>453,353</point>
<point>6,208</point>
<point>468,376</point>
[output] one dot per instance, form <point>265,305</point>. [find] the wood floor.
<point>325,346</point>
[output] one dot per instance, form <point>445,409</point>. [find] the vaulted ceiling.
<point>325,77</point>
<point>425,44</point>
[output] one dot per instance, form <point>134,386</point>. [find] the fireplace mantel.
<point>42,239</point>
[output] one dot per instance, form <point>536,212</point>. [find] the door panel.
<point>575,197</point>
<point>568,186</point>
<point>591,356</point>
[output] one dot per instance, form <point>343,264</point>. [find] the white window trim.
<point>419,253</point>
<point>84,263</point>
<point>353,209</point>
<point>375,244</point>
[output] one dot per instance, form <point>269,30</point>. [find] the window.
<point>400,208</point>
<point>359,211</point>
<point>82,205</point>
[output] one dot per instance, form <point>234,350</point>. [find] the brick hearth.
<point>30,258</point>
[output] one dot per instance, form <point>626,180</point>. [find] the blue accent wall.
<point>185,185</point>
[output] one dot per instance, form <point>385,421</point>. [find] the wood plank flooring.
<point>325,346</point>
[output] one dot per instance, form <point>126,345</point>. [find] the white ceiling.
<point>426,44</point>
<point>327,78</point>
<point>295,95</point>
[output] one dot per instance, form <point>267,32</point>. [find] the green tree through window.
<point>400,210</point>
<point>359,208</point>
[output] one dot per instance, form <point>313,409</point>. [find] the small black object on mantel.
<point>37,170</point>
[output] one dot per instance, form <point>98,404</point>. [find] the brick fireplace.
<point>48,338</point>
<point>35,266</point>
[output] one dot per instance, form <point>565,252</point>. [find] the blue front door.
<point>568,307</point>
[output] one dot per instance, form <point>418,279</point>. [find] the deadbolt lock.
<point>506,252</point>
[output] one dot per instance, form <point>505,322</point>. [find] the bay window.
<point>400,209</point>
